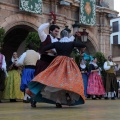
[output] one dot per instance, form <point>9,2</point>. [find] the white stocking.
<point>26,96</point>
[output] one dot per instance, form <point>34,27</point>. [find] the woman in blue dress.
<point>84,70</point>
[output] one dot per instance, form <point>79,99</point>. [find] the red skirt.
<point>95,85</point>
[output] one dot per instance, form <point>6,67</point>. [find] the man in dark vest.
<point>46,57</point>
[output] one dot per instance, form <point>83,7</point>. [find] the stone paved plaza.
<point>92,110</point>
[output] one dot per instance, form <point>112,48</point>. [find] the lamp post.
<point>84,34</point>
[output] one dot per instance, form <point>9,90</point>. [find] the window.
<point>115,26</point>
<point>115,39</point>
<point>98,2</point>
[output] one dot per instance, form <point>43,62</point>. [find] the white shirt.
<point>43,35</point>
<point>106,66</point>
<point>66,39</point>
<point>21,59</point>
<point>3,63</point>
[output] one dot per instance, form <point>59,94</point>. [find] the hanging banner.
<point>34,6</point>
<point>88,12</point>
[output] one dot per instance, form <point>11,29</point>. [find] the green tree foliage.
<point>33,37</point>
<point>2,35</point>
<point>101,59</point>
<point>76,55</point>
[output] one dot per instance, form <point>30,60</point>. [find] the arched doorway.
<point>14,40</point>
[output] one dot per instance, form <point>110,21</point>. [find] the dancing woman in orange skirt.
<point>61,83</point>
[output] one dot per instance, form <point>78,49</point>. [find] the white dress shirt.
<point>106,66</point>
<point>20,61</point>
<point>43,35</point>
<point>3,63</point>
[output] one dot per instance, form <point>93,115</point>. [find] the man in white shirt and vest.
<point>110,79</point>
<point>28,59</point>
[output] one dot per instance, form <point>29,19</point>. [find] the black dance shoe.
<point>93,98</point>
<point>58,105</point>
<point>26,101</point>
<point>106,98</point>
<point>112,98</point>
<point>13,100</point>
<point>33,103</point>
<point>99,97</point>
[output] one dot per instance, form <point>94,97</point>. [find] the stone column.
<point>104,35</point>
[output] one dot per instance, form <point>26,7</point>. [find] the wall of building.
<point>117,33</point>
<point>99,35</point>
<point>115,46</point>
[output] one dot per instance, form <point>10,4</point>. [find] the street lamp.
<point>84,34</point>
<point>76,27</point>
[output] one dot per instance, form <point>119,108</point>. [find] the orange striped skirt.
<point>62,75</point>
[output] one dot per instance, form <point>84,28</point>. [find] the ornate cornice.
<point>98,8</point>
<point>74,3</point>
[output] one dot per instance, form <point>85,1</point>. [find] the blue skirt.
<point>85,82</point>
<point>27,76</point>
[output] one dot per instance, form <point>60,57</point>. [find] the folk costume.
<point>3,74</point>
<point>12,82</point>
<point>84,70</point>
<point>46,57</point>
<point>95,84</point>
<point>110,82</point>
<point>28,59</point>
<point>62,79</point>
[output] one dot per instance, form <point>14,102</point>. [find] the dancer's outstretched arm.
<point>41,32</point>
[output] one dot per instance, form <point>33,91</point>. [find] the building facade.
<point>18,24</point>
<point>115,39</point>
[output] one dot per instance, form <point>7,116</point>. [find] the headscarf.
<point>64,36</point>
<point>87,57</point>
<point>14,59</point>
<point>82,65</point>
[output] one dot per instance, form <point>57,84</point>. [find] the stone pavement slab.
<point>91,110</point>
